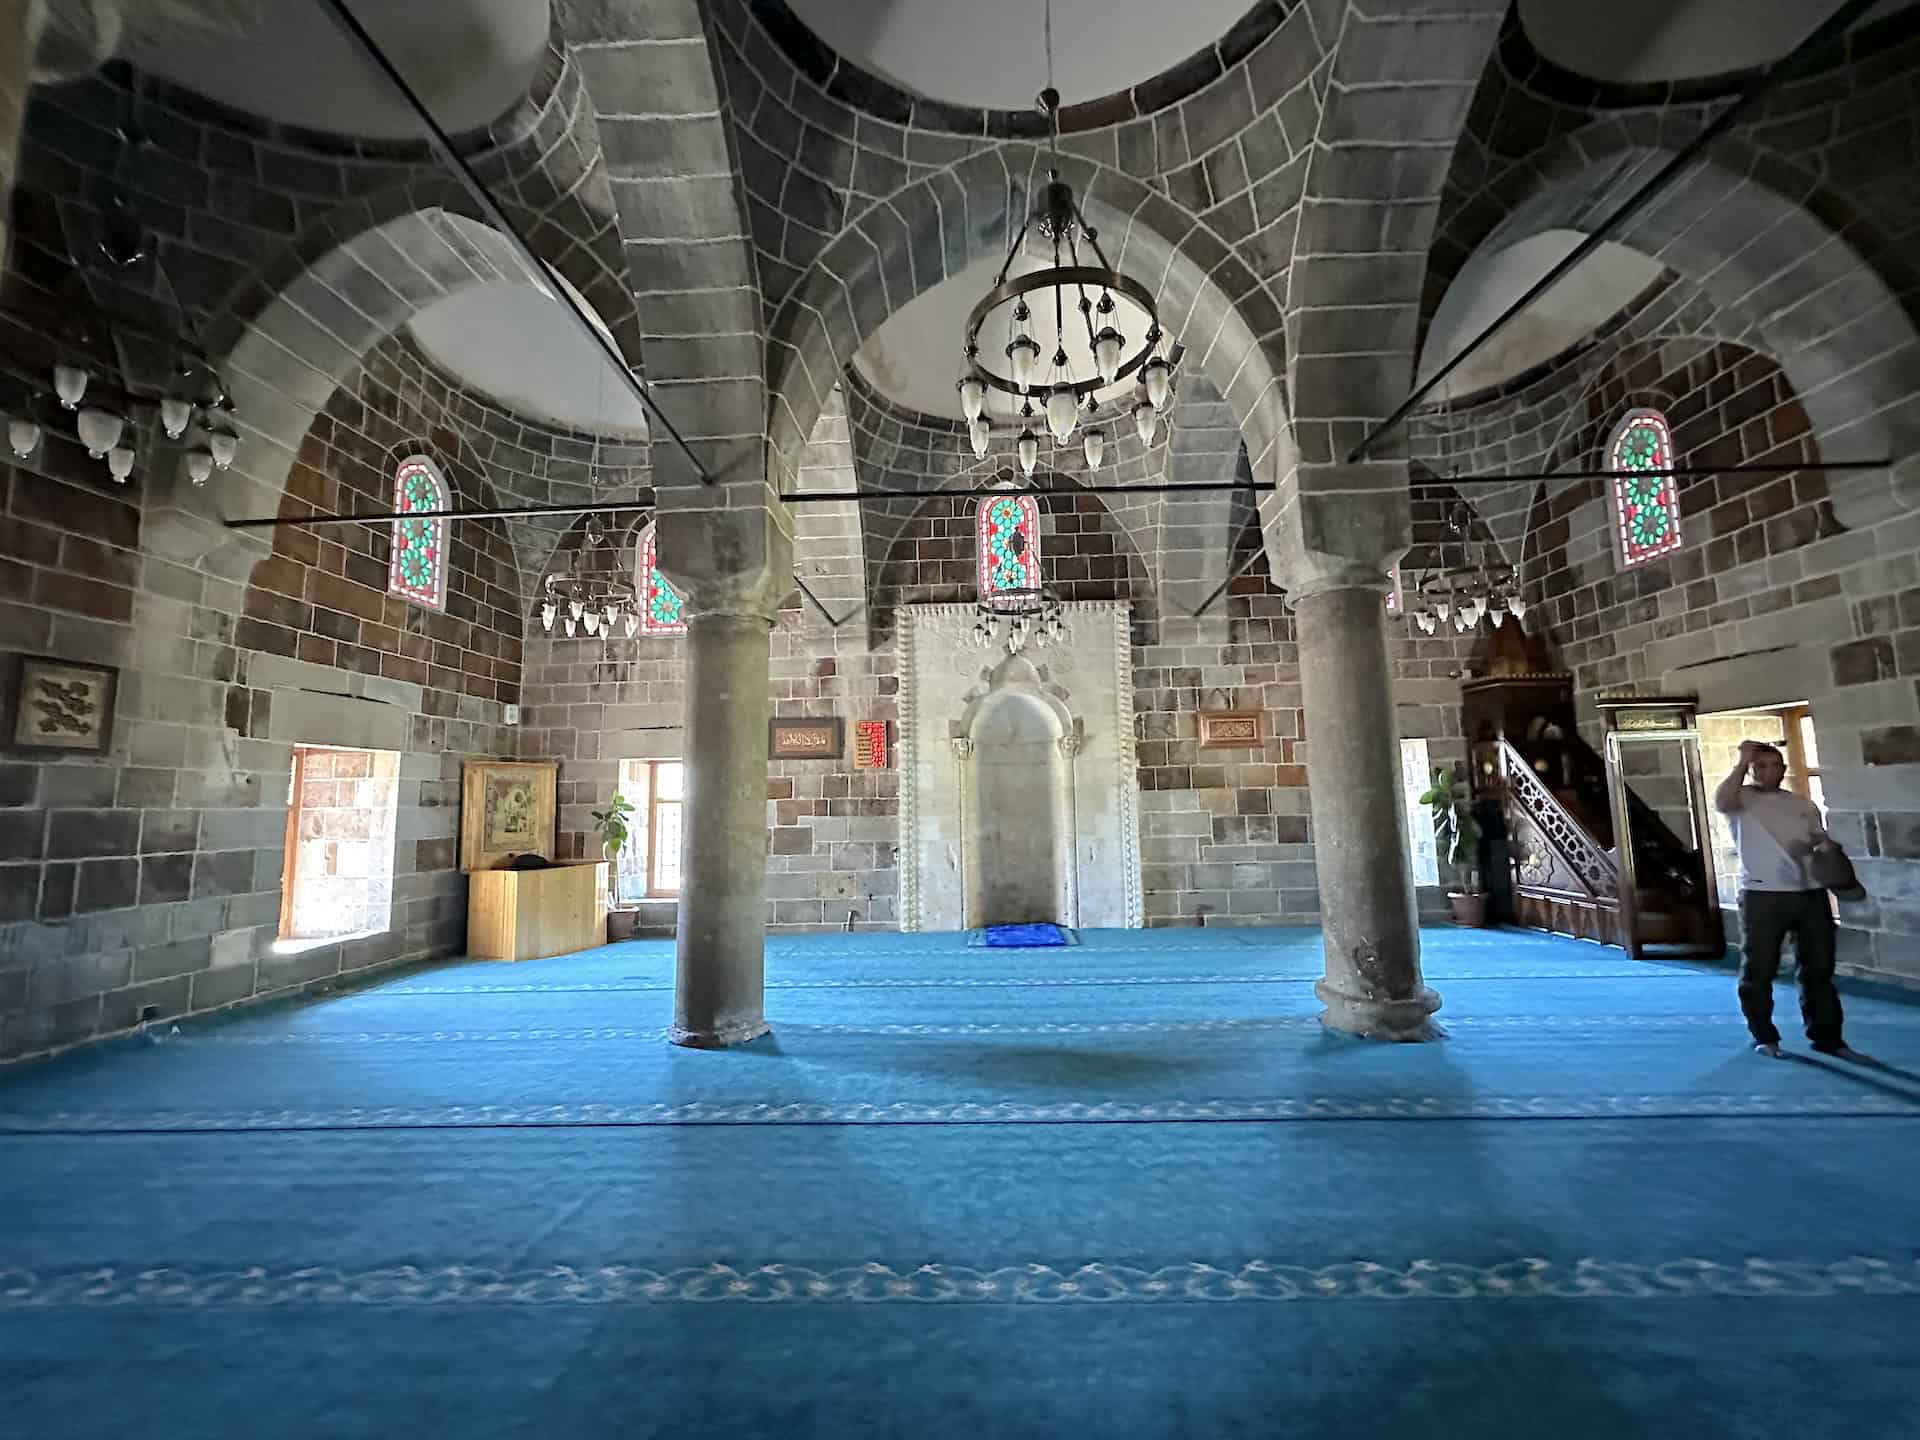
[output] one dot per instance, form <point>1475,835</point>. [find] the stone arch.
<point>1226,319</point>
<point>287,358</point>
<point>1785,282</point>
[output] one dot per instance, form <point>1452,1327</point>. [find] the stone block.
<point>79,834</point>
<point>1891,745</point>
<point>178,957</point>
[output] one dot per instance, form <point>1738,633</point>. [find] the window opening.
<point>341,810</point>
<point>1416,777</point>
<point>1007,537</point>
<point>649,864</point>
<point>1646,507</point>
<point>417,569</point>
<point>662,611</point>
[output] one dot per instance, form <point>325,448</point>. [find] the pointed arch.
<point>417,562</point>
<point>662,611</point>
<point>1646,507</point>
<point>1006,532</point>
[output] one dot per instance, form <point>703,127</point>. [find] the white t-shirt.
<point>1765,824</point>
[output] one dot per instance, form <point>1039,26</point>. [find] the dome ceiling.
<point>1633,41</point>
<point>1572,310</point>
<point>470,60</point>
<point>992,53</point>
<point>513,342</point>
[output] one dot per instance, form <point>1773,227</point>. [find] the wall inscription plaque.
<point>804,739</point>
<point>1231,729</point>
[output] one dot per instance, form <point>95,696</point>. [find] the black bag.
<point>1829,866</point>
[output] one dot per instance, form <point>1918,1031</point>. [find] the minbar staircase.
<point>1567,874</point>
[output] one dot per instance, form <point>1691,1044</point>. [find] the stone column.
<point>719,980</point>
<point>1332,532</point>
<point>728,551</point>
<point>1367,910</point>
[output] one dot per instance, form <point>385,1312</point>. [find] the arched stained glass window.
<point>417,568</point>
<point>1007,530</point>
<point>662,612</point>
<point>1646,507</point>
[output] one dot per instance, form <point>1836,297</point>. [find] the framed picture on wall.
<point>805,739</point>
<point>506,809</point>
<point>1231,729</point>
<point>63,705</point>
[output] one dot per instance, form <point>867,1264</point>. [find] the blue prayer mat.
<point>1001,937</point>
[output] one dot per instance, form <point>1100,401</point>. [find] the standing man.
<point>1776,831</point>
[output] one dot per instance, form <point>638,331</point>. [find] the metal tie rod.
<point>1834,25</point>
<point>443,146</point>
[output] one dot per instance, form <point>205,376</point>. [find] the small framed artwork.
<point>63,705</point>
<point>804,739</point>
<point>1232,729</point>
<point>506,809</point>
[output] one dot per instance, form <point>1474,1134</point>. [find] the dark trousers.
<point>1768,917</point>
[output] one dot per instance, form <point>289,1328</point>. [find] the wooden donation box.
<point>531,914</point>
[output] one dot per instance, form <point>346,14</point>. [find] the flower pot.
<point>1468,909</point>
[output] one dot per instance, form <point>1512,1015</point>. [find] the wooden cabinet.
<point>531,914</point>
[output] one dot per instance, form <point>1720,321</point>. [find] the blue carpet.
<point>1127,1189</point>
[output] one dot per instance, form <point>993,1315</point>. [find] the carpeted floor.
<point>1125,1188</point>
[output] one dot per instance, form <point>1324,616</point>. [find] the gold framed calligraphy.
<point>805,739</point>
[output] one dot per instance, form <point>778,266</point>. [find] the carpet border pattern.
<point>875,1283</point>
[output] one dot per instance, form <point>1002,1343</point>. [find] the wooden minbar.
<point>532,914</point>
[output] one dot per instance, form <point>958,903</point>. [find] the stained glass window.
<point>1007,528</point>
<point>1646,507</point>
<point>662,612</point>
<point>417,568</point>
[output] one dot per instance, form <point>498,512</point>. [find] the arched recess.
<point>1017,743</point>
<point>1784,281</point>
<point>285,361</point>
<point>1210,302</point>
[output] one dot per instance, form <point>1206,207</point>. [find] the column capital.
<point>725,561</point>
<point>1339,527</point>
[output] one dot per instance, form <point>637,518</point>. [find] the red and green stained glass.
<point>418,567</point>
<point>1646,507</point>
<point>1007,529</point>
<point>662,612</point>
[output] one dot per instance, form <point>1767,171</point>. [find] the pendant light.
<point>69,383</point>
<point>1094,444</point>
<point>973,396</point>
<point>1158,376</point>
<point>1144,417</point>
<point>979,435</point>
<point>175,413</point>
<point>22,435</point>
<point>1029,452</point>
<point>1063,411</point>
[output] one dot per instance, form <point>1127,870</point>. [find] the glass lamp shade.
<point>1108,349</point>
<point>99,431</point>
<point>1158,375</point>
<point>1063,412</point>
<point>979,435</point>
<point>576,609</point>
<point>1029,451</point>
<point>174,416</point>
<point>69,383</point>
<point>1144,417</point>
<point>22,435</point>
<point>549,613</point>
<point>611,614</point>
<point>199,466</point>
<point>592,622</point>
<point>1021,357</point>
<point>1094,443</point>
<point>572,628</point>
<point>973,396</point>
<point>633,624</point>
<point>223,447</point>
<point>1442,611</point>
<point>120,463</point>
<point>1517,605</point>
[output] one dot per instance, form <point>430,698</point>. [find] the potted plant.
<point>1458,841</point>
<point>612,824</point>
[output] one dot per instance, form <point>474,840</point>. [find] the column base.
<point>1407,1018</point>
<point>736,1034</point>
